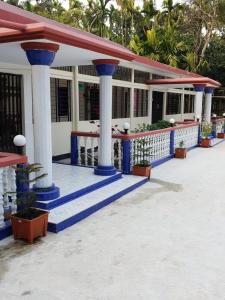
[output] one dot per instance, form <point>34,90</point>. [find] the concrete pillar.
<point>199,89</point>
<point>105,69</point>
<point>41,56</point>
<point>208,104</point>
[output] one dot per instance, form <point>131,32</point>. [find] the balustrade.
<point>8,188</point>
<point>125,153</point>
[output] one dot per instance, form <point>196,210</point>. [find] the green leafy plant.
<point>143,127</point>
<point>142,153</point>
<point>206,129</point>
<point>25,176</point>
<point>181,144</point>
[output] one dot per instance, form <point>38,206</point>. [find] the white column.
<point>150,105</point>
<point>40,56</point>
<point>182,107</point>
<point>198,101</point>
<point>105,121</point>
<point>105,69</point>
<point>208,104</point>
<point>42,122</point>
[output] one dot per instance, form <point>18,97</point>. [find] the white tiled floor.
<point>73,178</point>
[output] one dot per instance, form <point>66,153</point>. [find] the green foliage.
<point>206,129</point>
<point>143,127</point>
<point>26,176</point>
<point>181,144</point>
<point>142,152</point>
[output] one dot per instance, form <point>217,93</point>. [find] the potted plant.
<point>142,156</point>
<point>29,222</point>
<point>221,135</point>
<point>181,152</point>
<point>205,139</point>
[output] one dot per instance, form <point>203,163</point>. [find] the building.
<point>55,79</point>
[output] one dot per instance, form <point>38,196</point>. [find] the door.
<point>157,107</point>
<point>10,111</point>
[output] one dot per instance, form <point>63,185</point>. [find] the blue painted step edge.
<point>87,212</point>
<point>67,198</point>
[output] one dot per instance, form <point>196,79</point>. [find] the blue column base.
<point>45,194</point>
<point>105,170</point>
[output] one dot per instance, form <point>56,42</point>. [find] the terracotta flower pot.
<point>141,171</point>
<point>180,152</point>
<point>29,224</point>
<point>221,135</point>
<point>206,143</point>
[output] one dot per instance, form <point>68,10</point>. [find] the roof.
<point>200,81</point>
<point>20,25</point>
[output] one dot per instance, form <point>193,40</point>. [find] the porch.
<point>82,191</point>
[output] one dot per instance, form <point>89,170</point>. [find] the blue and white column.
<point>105,69</point>
<point>208,104</point>
<point>199,89</point>
<point>41,56</point>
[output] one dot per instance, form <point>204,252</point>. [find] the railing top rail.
<point>135,135</point>
<point>10,159</point>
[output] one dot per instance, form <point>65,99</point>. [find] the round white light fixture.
<point>19,140</point>
<point>126,126</point>
<point>214,115</point>
<point>172,121</point>
<point>223,114</point>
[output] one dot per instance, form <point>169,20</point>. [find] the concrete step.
<point>79,190</point>
<point>74,211</point>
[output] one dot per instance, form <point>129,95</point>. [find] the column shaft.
<point>105,121</point>
<point>208,105</point>
<point>42,122</point>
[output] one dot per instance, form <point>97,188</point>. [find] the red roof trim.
<point>156,64</point>
<point>193,80</point>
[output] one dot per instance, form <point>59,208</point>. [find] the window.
<point>188,104</point>
<point>120,102</point>
<point>173,106</point>
<point>140,103</point>
<point>88,101</point>
<point>87,70</point>
<point>122,73</point>
<point>60,100</point>
<point>140,76</point>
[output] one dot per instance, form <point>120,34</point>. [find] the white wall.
<point>61,137</point>
<point>86,126</point>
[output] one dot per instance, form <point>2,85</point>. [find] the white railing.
<point>7,191</point>
<point>189,136</point>
<point>219,123</point>
<point>8,187</point>
<point>156,143</point>
<point>160,144</point>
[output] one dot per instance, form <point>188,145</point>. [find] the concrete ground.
<point>164,241</point>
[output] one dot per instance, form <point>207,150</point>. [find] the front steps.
<point>74,211</point>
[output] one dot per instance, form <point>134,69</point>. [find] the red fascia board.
<point>194,81</point>
<point>37,31</point>
<point>164,67</point>
<point>12,25</point>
